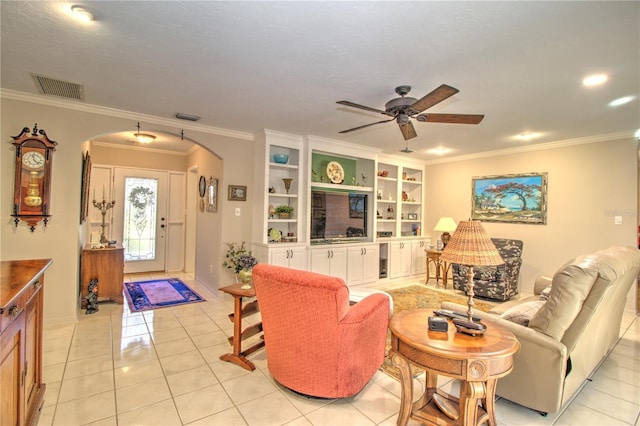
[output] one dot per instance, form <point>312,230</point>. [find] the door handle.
<point>162,226</point>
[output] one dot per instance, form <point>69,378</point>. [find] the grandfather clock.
<point>32,184</point>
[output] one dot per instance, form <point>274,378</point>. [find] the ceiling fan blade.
<point>437,95</point>
<point>408,131</point>
<point>351,104</point>
<point>366,125</point>
<point>451,118</point>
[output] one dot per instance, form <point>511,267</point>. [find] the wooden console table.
<point>107,265</point>
<point>477,361</point>
<point>238,356</point>
<point>441,267</point>
<point>21,309</point>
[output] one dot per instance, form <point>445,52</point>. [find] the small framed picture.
<point>412,216</point>
<point>237,193</point>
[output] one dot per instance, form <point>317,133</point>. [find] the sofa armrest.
<point>541,283</point>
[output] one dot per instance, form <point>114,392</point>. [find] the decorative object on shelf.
<point>92,297</point>
<point>379,197</point>
<point>390,212</point>
<point>202,186</point>
<point>283,211</point>
<point>272,211</point>
<point>280,158</point>
<point>471,246</point>
<point>212,195</point>
<point>237,193</point>
<point>383,173</point>
<point>275,235</point>
<point>287,184</point>
<point>364,179</point>
<point>517,198</point>
<point>272,190</point>
<point>405,196</point>
<point>445,225</point>
<point>103,206</point>
<point>335,172</point>
<point>32,183</point>
<point>86,178</point>
<point>412,216</point>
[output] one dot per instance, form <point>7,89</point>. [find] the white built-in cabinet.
<point>392,187</point>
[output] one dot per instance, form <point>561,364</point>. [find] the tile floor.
<point>162,367</point>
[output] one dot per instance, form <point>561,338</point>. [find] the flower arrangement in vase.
<point>241,261</point>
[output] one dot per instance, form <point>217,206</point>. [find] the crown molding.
<point>118,113</point>
<point>535,147</point>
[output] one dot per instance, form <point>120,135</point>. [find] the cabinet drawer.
<point>11,311</point>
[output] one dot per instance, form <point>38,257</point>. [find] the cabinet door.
<point>298,258</point>
<point>280,257</point>
<point>418,257</point>
<point>355,265</point>
<point>371,264</point>
<point>399,259</point>
<point>33,354</point>
<point>320,261</point>
<point>11,348</point>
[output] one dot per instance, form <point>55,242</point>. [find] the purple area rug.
<point>153,294</point>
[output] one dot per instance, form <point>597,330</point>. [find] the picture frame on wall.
<point>514,198</point>
<point>237,193</point>
<point>86,178</point>
<point>212,195</point>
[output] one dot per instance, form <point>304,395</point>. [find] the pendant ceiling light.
<point>143,137</point>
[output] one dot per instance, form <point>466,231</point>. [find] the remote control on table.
<point>453,314</point>
<point>469,324</point>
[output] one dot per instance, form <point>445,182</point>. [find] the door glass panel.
<point>140,216</point>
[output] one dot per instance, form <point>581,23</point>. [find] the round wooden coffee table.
<point>477,361</point>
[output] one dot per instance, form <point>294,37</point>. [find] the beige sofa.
<point>565,337</point>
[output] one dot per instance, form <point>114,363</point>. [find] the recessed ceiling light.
<point>527,136</point>
<point>595,80</point>
<point>439,151</point>
<point>621,101</point>
<point>82,13</point>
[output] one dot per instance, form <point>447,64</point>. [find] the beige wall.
<point>61,239</point>
<point>101,154</point>
<point>588,185</point>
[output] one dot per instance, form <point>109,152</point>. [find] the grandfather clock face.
<point>32,187</point>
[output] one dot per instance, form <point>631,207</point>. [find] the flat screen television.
<point>338,217</point>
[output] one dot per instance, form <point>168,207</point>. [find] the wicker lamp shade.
<point>470,245</point>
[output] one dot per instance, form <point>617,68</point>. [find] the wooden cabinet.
<point>21,300</point>
<point>107,265</point>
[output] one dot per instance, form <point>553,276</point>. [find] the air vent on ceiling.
<point>53,86</point>
<point>190,117</point>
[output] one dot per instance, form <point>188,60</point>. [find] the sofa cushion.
<point>522,313</point>
<point>569,289</point>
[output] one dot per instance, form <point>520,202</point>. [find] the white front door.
<point>140,216</point>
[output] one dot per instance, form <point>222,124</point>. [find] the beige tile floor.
<point>162,367</point>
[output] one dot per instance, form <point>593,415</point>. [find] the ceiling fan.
<point>403,108</point>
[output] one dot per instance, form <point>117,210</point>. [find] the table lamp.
<point>445,225</point>
<point>471,246</point>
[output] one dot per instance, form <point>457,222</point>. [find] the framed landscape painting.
<point>518,198</point>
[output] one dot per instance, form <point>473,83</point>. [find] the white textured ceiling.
<point>245,66</point>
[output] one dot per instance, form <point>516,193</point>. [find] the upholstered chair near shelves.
<point>494,282</point>
<point>317,343</point>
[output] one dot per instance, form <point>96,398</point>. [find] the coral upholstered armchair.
<point>316,343</point>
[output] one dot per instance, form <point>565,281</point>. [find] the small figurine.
<point>272,211</point>
<point>364,179</point>
<point>272,190</point>
<point>92,297</point>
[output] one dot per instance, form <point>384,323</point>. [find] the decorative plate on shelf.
<point>335,172</point>
<point>275,235</point>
